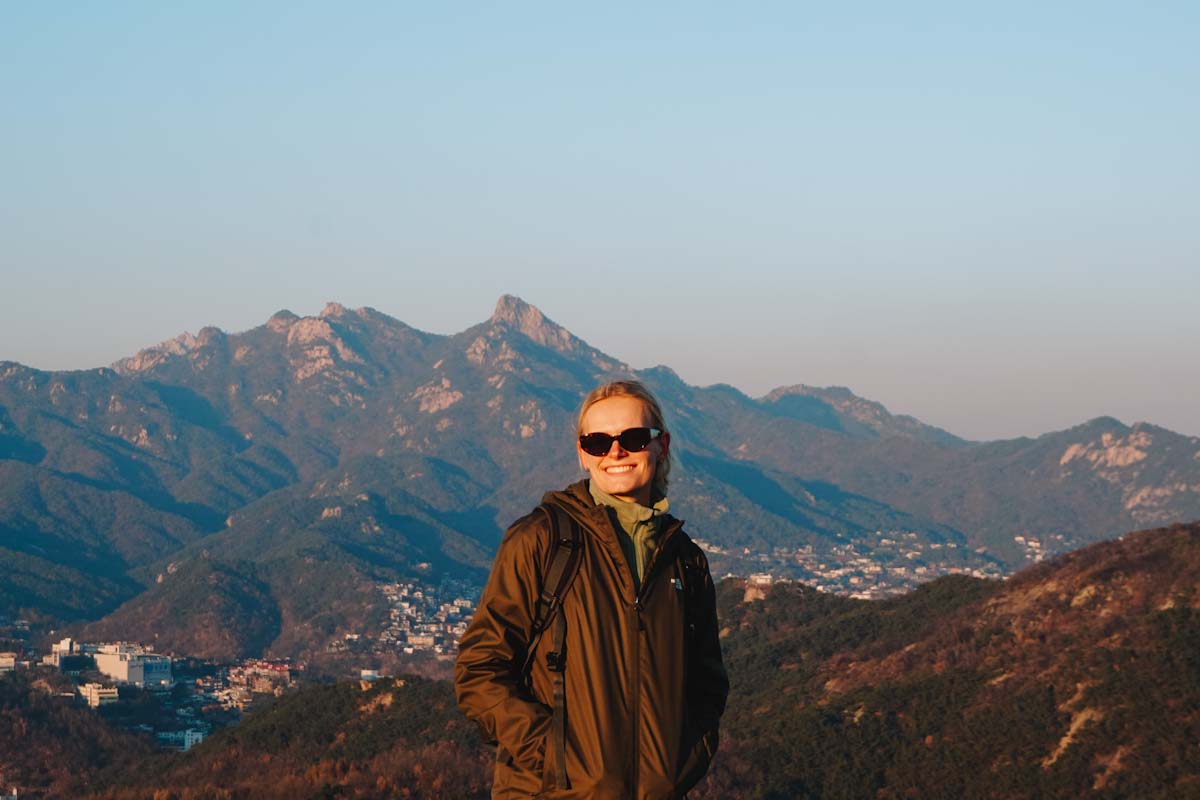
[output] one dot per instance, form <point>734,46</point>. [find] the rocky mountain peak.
<point>1099,425</point>
<point>208,335</point>
<point>316,346</point>
<point>311,329</point>
<point>515,313</point>
<point>153,356</point>
<point>372,314</point>
<point>281,320</point>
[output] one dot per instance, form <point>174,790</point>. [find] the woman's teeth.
<point>617,470</point>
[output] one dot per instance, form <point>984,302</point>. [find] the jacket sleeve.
<point>708,685</point>
<point>487,674</point>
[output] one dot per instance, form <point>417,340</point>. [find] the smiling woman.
<point>623,442</point>
<point>625,698</point>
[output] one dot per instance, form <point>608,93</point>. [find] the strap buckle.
<point>556,661</point>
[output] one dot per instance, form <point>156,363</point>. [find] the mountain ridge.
<point>237,443</point>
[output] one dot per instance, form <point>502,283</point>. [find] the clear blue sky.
<point>988,218</point>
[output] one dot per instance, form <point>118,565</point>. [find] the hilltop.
<point>1079,677</point>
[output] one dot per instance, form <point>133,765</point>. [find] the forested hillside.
<point>1078,678</point>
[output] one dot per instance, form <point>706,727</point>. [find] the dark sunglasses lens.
<point>635,440</point>
<point>596,444</point>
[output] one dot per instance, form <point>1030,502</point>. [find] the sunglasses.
<point>633,440</point>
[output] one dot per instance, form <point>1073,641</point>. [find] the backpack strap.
<point>560,702</point>
<point>563,565</point>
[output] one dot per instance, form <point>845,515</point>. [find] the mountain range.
<point>241,494</point>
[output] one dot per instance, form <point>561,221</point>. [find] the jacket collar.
<point>577,500</point>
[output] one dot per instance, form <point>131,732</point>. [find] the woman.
<point>628,704</point>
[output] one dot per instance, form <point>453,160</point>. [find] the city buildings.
<point>881,565</point>
<point>427,619</point>
<point>180,740</point>
<point>262,676</point>
<point>131,663</point>
<point>96,695</point>
<point>68,657</point>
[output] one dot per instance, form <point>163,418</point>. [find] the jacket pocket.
<point>518,779</point>
<point>696,759</point>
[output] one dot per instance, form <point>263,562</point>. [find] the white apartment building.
<point>97,694</point>
<point>66,647</point>
<point>180,740</point>
<point>8,662</point>
<point>131,663</point>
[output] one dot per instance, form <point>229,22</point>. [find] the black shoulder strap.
<point>562,567</point>
<point>562,564</point>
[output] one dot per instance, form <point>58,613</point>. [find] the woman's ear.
<point>664,448</point>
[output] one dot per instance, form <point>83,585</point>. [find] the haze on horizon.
<point>986,218</point>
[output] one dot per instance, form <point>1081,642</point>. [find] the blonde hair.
<point>635,389</point>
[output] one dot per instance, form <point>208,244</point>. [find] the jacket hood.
<point>576,500</point>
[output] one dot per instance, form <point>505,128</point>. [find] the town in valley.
<point>179,699</point>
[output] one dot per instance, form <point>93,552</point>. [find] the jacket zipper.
<point>635,762</point>
<point>668,534</point>
<point>638,628</point>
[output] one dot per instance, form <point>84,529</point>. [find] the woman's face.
<point>625,475</point>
